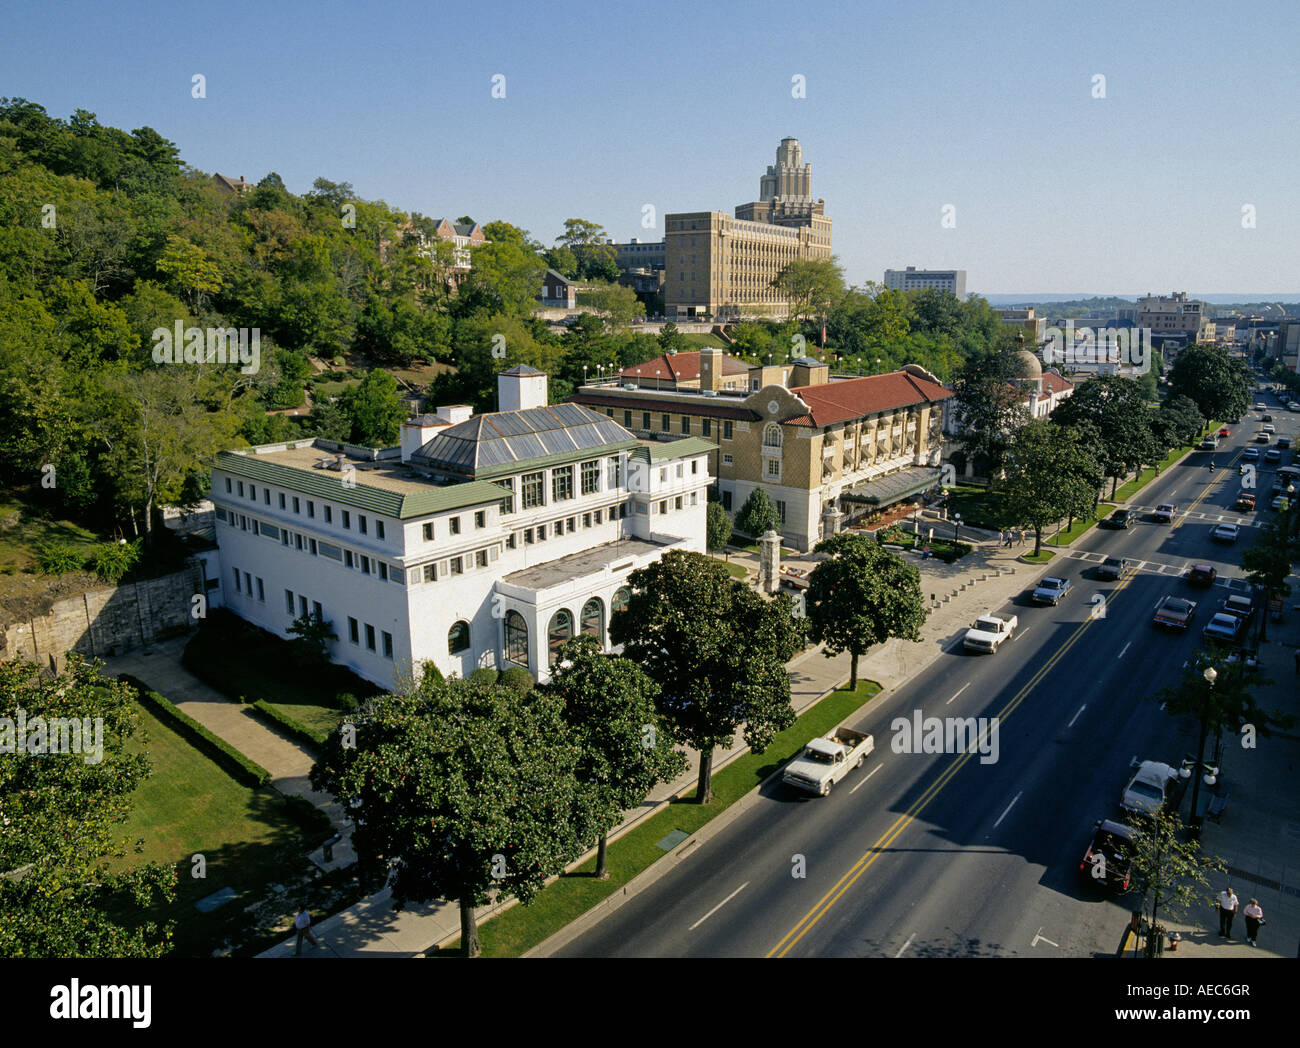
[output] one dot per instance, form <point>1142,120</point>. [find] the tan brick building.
<point>826,449</point>
<point>723,266</point>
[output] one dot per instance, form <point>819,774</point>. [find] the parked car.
<point>1280,502</point>
<point>1148,789</point>
<point>1175,612</point>
<point>1245,503</point>
<point>1121,518</point>
<point>1050,590</point>
<point>988,632</point>
<point>1108,857</point>
<point>1226,533</point>
<point>1112,568</point>
<point>1250,454</point>
<point>1202,574</point>
<point>1223,628</point>
<point>1164,513</point>
<point>1241,606</point>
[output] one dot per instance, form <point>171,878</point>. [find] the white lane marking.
<point>1009,807</point>
<point>1039,936</point>
<point>1076,716</point>
<point>959,691</point>
<point>864,780</point>
<point>719,906</point>
<point>1019,633</point>
<point>905,946</point>
<point>1126,647</point>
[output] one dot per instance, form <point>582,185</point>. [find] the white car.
<point>1164,513</point>
<point>1224,532</point>
<point>1148,790</point>
<point>988,632</point>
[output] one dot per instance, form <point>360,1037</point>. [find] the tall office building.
<point>722,266</point>
<point>913,279</point>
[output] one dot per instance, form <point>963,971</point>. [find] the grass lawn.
<point>703,339</point>
<point>979,507</point>
<point>23,527</point>
<point>519,929</point>
<point>1064,538</point>
<point>1041,557</point>
<point>734,570</point>
<point>250,838</point>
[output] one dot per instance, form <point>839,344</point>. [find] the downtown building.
<point>481,541</point>
<point>912,279</point>
<point>827,449</point>
<point>722,267</point>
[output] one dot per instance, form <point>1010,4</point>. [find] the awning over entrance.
<point>893,487</point>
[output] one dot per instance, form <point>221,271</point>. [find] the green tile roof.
<point>672,449</point>
<point>327,484</point>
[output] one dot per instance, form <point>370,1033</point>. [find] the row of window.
<point>362,562</point>
<point>296,503</point>
<point>684,424</point>
<point>532,486</point>
<point>453,524</point>
<point>305,608</point>
<point>354,637</point>
<point>247,587</point>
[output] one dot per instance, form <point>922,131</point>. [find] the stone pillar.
<point>769,562</point>
<point>831,520</point>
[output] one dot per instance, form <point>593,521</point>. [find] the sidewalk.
<point>371,928</point>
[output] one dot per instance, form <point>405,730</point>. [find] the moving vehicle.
<point>1250,454</point>
<point>1175,612</point>
<point>1260,405</point>
<point>1226,533</point>
<point>1245,502</point>
<point>1272,455</point>
<point>1208,444</point>
<point>1202,575</point>
<point>1225,432</point>
<point>1164,513</point>
<point>1267,418</point>
<point>1107,859</point>
<point>988,632</point>
<point>827,759</point>
<point>1293,406</point>
<point>1148,790</point>
<point>1280,502</point>
<point>1050,590</point>
<point>1121,518</point>
<point>1223,628</point>
<point>1262,438</point>
<point>1112,568</point>
<point>1268,427</point>
<point>1284,443</point>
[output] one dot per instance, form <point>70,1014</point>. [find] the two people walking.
<point>1253,914</point>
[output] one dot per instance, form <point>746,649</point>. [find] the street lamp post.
<point>956,530</point>
<point>1194,822</point>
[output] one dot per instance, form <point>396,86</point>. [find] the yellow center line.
<point>860,867</point>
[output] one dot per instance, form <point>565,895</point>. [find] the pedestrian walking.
<point>1254,918</point>
<point>1227,911</point>
<point>1020,537</point>
<point>303,923</point>
<point>1002,537</point>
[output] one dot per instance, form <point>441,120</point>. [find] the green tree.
<point>470,786</point>
<point>717,526</point>
<point>64,891</point>
<point>758,515</point>
<point>617,303</point>
<point>376,410</point>
<point>860,595</point>
<point>1050,475</point>
<point>672,339</point>
<point>810,287</point>
<point>1215,382</point>
<point>609,705</point>
<point>990,407</point>
<point>1117,409</point>
<point>1168,872</point>
<point>713,679</point>
<point>189,271</point>
<point>312,636</point>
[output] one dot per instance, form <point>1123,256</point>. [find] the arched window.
<point>593,619</point>
<point>619,601</point>
<point>516,639</point>
<point>561,630</point>
<point>772,435</point>
<point>458,637</point>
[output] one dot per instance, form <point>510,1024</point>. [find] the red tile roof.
<point>856,397</point>
<point>1054,383</point>
<point>682,367</point>
<point>710,407</point>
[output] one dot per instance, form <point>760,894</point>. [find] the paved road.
<point>942,855</point>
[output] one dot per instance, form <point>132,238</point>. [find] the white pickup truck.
<point>988,632</point>
<point>826,760</point>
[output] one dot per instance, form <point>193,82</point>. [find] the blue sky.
<point>909,107</point>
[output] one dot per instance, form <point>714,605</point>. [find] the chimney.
<point>521,388</point>
<point>809,372</point>
<point>711,368</point>
<point>417,431</point>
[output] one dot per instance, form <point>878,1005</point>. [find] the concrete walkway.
<point>371,928</point>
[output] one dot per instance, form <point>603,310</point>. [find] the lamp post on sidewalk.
<point>1194,821</point>
<point>956,528</point>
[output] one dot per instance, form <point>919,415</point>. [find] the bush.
<point>247,771</point>
<point>348,702</point>
<point>484,675</point>
<point>517,678</point>
<point>54,558</point>
<point>112,560</point>
<point>287,724</point>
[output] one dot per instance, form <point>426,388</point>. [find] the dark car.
<point>1266,418</point>
<point>1202,575</point>
<point>1108,856</point>
<point>1112,568</point>
<point>1121,518</point>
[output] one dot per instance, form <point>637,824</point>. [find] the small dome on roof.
<point>1028,366</point>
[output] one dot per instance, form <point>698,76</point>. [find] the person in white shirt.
<point>303,923</point>
<point>1254,918</point>
<point>1227,911</point>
